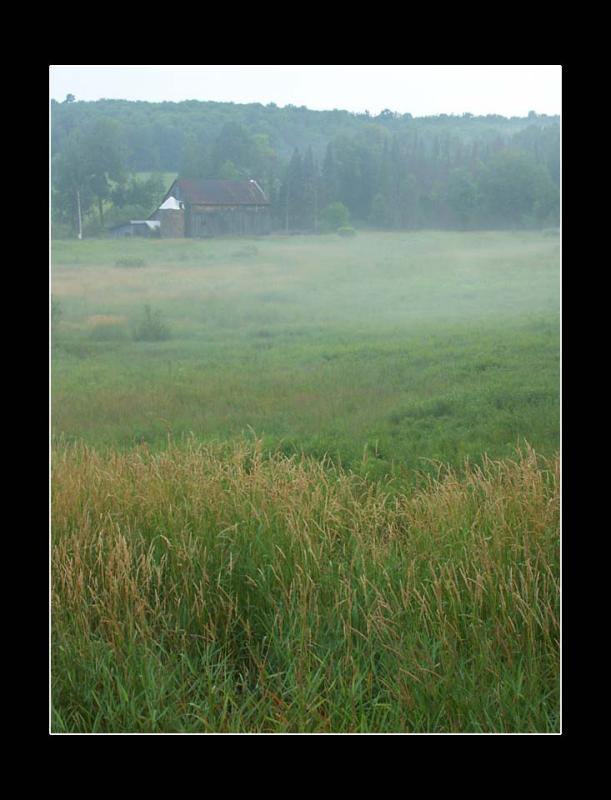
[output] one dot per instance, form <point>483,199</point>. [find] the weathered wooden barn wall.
<point>172,223</point>
<point>204,221</point>
<point>213,208</point>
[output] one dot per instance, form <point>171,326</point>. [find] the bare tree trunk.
<point>101,210</point>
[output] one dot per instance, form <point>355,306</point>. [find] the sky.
<point>421,90</point>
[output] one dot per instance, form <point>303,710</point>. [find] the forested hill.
<point>159,135</point>
<point>392,170</point>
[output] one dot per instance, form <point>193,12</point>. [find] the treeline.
<point>390,171</point>
<point>410,181</point>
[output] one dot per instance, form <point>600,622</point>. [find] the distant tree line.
<point>407,181</point>
<point>391,171</point>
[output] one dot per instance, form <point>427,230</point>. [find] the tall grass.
<point>209,588</point>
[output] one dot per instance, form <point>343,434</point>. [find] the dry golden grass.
<point>101,320</point>
<point>433,609</point>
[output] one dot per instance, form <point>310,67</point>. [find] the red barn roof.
<point>218,193</point>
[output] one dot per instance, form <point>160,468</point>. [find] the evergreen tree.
<point>330,177</point>
<point>310,191</point>
<point>294,194</point>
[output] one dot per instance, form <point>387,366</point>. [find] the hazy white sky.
<point>510,90</point>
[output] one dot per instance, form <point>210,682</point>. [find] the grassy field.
<point>305,510</point>
<point>378,351</point>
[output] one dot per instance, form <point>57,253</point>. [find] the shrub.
<point>151,327</point>
<point>334,216</point>
<point>346,231</point>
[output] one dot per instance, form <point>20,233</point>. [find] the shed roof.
<point>152,224</point>
<point>220,193</point>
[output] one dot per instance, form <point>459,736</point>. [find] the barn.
<point>203,208</point>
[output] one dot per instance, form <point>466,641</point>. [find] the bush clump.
<point>152,327</point>
<point>334,216</point>
<point>346,231</point>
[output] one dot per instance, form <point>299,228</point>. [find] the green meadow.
<point>380,351</point>
<point>306,484</point>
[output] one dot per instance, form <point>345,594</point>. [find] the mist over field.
<point>435,345</point>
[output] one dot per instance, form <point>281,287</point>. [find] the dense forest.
<point>320,169</point>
